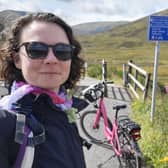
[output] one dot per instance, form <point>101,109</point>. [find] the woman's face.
<point>49,72</point>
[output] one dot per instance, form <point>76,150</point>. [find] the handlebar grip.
<point>118,107</point>
<point>93,88</point>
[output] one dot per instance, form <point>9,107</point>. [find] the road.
<point>97,155</point>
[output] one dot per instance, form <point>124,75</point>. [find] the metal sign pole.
<point>157,51</point>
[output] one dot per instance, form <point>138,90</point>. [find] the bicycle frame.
<point>111,135</point>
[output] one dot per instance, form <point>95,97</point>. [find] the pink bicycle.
<point>121,136</point>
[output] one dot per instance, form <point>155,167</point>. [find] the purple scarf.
<point>20,89</point>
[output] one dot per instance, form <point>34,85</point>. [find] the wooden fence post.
<point>146,86</point>
<point>136,77</point>
<point>104,70</point>
<point>125,77</point>
<point>129,71</point>
<point>104,76</point>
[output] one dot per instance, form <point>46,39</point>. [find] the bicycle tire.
<point>95,135</point>
<point>131,154</point>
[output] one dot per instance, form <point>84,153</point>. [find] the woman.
<point>37,121</point>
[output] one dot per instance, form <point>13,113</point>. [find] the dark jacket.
<point>62,147</point>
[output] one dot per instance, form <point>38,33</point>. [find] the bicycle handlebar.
<point>92,88</point>
<point>98,86</point>
<point>95,91</point>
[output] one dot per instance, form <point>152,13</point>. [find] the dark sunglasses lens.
<point>63,51</point>
<point>37,50</point>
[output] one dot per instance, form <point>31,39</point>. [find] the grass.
<point>144,57</point>
<point>154,140</point>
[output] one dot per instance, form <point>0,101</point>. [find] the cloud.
<point>31,5</point>
<point>98,7</point>
<point>78,11</point>
<point>120,7</point>
<point>66,0</point>
<point>114,10</point>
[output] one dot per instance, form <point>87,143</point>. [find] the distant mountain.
<point>7,18</point>
<point>125,36</point>
<point>95,27</point>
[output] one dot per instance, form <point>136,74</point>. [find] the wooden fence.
<point>134,77</point>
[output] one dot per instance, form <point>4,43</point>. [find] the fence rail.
<point>135,77</point>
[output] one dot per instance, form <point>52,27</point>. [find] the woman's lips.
<point>50,72</point>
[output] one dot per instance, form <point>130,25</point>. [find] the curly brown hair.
<point>9,72</point>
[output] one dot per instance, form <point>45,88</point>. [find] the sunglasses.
<point>37,50</point>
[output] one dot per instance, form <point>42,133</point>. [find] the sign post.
<point>157,31</point>
<point>157,51</point>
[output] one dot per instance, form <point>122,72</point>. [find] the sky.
<point>83,11</point>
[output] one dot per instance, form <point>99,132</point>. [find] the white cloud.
<point>120,7</point>
<point>31,5</point>
<point>105,7</point>
<point>113,10</point>
<point>78,11</point>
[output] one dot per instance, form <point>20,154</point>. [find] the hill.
<point>126,42</point>
<point>7,18</point>
<point>95,27</point>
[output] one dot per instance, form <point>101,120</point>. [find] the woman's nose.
<point>50,58</point>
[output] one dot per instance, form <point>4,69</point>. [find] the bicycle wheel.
<point>96,135</point>
<point>131,154</point>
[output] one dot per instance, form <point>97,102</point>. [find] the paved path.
<point>97,155</point>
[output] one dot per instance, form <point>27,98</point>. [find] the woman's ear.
<point>16,60</point>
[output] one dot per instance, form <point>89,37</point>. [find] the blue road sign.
<point>158,28</point>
